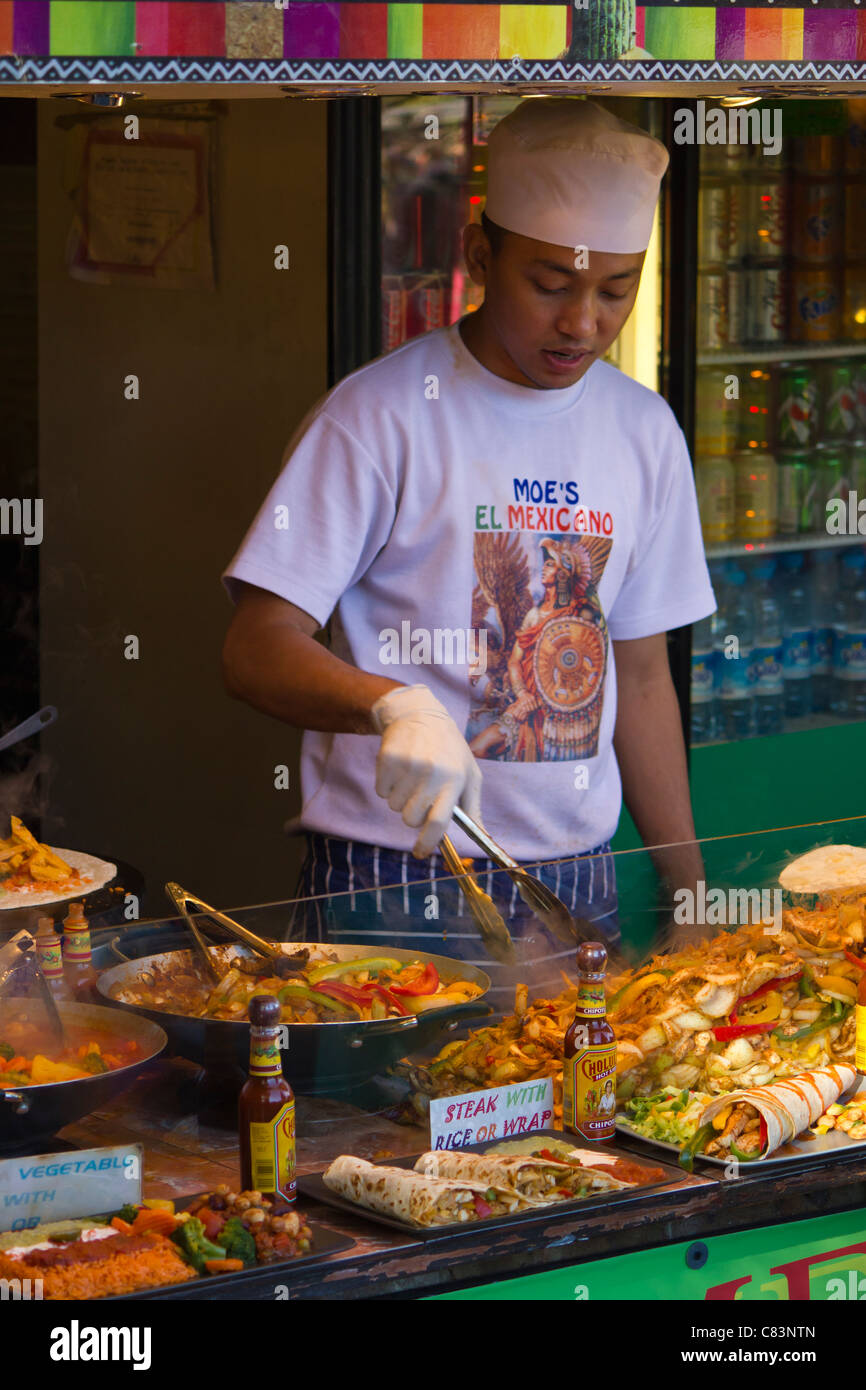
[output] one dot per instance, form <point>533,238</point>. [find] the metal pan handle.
<point>14,1098</point>
<point>382,1026</point>
<point>116,951</point>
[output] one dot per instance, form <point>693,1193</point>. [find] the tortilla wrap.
<point>412,1197</point>
<point>788,1107</point>
<point>535,1179</point>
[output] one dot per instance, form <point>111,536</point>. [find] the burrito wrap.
<point>789,1106</point>
<point>523,1174</point>
<point>405,1194</point>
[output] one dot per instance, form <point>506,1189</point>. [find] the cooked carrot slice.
<point>223,1266</point>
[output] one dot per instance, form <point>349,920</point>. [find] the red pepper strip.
<point>348,994</point>
<point>855,960</point>
<point>763,1135</point>
<point>426,983</point>
<point>392,1001</point>
<point>765,989</point>
<point>739,1030</point>
<point>481,1207</point>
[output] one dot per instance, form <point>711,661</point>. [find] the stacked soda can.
<point>854,236</point>
<point>782,241</point>
<point>743,220</point>
<point>817,237</point>
<point>775,443</point>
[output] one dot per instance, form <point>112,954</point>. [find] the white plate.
<point>95,873</point>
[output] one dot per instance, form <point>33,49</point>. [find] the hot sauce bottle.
<point>589,1055</point>
<point>48,947</point>
<point>266,1109</point>
<point>77,959</point>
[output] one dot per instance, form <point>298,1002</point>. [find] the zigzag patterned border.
<point>18,70</point>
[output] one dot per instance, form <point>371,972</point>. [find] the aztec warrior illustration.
<point>540,696</point>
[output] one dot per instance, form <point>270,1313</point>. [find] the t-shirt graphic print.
<point>541,646</point>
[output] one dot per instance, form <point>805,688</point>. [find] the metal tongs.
<point>180,897</point>
<point>17,953</point>
<point>494,934</point>
<point>548,908</point>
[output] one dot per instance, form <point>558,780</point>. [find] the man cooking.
<point>501,528</point>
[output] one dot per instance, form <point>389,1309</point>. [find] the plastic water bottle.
<point>796,635</point>
<point>823,586</point>
<point>703,686</point>
<point>849,655</point>
<point>736,637</point>
<point>767,655</point>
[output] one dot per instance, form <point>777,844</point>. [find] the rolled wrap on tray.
<point>788,1107</point>
<point>409,1196</point>
<point>535,1179</point>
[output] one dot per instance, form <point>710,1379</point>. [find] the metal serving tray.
<point>312,1185</point>
<point>325,1242</point>
<point>805,1147</point>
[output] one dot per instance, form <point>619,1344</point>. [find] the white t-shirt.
<point>413,504</point>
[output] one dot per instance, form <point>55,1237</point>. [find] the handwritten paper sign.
<point>65,1186</point>
<point>502,1112</point>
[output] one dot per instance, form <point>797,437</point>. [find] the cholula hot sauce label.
<point>589,1054</point>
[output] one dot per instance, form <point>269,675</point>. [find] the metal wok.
<point>33,1113</point>
<point>319,1057</point>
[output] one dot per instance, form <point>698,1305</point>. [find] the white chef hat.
<point>569,172</point>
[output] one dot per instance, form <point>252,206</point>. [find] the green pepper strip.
<point>829,1015</point>
<point>743,1157</point>
<point>372,964</point>
<point>312,996</point>
<point>695,1145</point>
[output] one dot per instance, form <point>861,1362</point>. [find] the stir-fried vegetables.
<point>33,1062</point>
<point>739,1010</point>
<point>321,991</point>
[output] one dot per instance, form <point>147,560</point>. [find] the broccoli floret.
<point>6,1051</point>
<point>92,1062</point>
<point>238,1241</point>
<point>194,1245</point>
<point>127,1213</point>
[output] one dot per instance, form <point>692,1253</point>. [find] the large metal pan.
<point>30,1114</point>
<point>320,1056</point>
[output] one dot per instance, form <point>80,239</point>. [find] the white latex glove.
<point>424,767</point>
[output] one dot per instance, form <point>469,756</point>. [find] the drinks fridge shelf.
<point>786,648</point>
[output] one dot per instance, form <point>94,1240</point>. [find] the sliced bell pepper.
<point>770,985</point>
<point>837,984</point>
<point>768,1014</point>
<point>348,994</point>
<point>372,964</point>
<point>426,983</point>
<point>742,1156</point>
<point>833,1014</point>
<point>740,1030</point>
<point>855,960</point>
<point>392,1001</point>
<point>696,1144</point>
<point>312,996</point>
<point>635,988</point>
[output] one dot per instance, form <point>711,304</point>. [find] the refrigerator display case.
<point>780,426</point>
